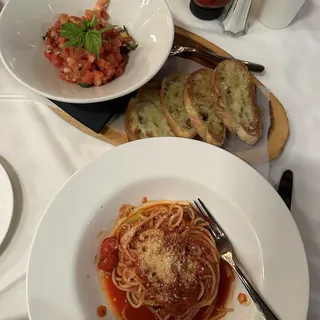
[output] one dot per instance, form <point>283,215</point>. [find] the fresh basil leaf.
<point>94,21</point>
<point>77,41</point>
<point>84,85</point>
<point>93,41</point>
<point>70,30</point>
<point>106,28</point>
<point>85,24</point>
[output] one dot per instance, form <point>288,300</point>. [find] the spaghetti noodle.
<point>164,258</point>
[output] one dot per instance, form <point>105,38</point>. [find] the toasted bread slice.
<point>145,120</point>
<point>234,91</point>
<point>199,104</point>
<point>172,103</point>
<point>150,91</point>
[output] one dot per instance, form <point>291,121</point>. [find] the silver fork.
<point>226,253</point>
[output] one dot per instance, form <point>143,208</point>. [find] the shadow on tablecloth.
<point>17,208</point>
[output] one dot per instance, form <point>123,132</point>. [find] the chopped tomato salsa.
<point>75,63</point>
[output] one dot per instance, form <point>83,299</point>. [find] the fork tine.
<point>203,212</point>
<point>198,209</point>
<point>210,216</point>
<point>195,205</point>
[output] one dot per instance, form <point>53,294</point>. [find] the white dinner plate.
<point>62,278</point>
<point>6,203</point>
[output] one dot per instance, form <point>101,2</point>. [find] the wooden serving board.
<point>279,125</point>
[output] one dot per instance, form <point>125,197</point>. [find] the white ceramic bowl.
<point>24,23</point>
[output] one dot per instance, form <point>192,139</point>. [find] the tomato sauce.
<point>120,305</point>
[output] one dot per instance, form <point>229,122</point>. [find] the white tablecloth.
<point>41,151</point>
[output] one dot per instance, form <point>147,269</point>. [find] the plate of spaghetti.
<point>121,240</point>
<point>161,261</point>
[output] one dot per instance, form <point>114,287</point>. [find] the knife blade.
<point>285,187</point>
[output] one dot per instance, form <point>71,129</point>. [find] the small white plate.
<point>62,277</point>
<point>6,203</point>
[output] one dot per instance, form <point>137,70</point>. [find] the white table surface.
<point>40,151</point>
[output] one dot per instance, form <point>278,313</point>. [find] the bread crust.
<point>128,122</point>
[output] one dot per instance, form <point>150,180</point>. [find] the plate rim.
<point>10,202</point>
<point>302,254</point>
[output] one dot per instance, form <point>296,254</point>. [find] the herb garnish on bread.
<point>200,106</point>
<point>234,93</point>
<point>172,103</point>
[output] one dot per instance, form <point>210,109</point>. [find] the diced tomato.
<point>75,19</point>
<point>48,55</point>
<point>89,14</point>
<point>118,72</point>
<point>102,64</point>
<point>118,56</point>
<point>104,15</point>
<point>107,265</point>
<point>66,77</point>
<point>78,65</point>
<point>107,46</point>
<point>61,40</point>
<point>109,257</point>
<point>86,66</point>
<point>98,14</point>
<point>75,53</point>
<point>109,72</point>
<point>91,57</point>
<point>111,33</point>
<point>64,54</point>
<point>56,60</point>
<point>111,59</point>
<point>106,67</point>
<point>57,25</point>
<point>87,77</point>
<point>64,18</point>
<point>71,62</point>
<point>97,78</point>
<point>51,43</point>
<point>108,246</point>
<point>116,42</point>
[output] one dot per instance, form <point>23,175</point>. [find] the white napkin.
<point>40,152</point>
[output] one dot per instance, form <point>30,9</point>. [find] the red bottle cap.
<point>205,12</point>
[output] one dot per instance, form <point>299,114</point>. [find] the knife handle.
<point>285,187</point>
